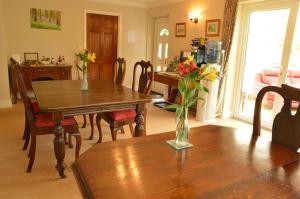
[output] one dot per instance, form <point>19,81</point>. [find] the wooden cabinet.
<point>40,73</point>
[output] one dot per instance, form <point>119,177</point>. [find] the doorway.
<point>160,49</point>
<point>269,45</point>
<point>102,39</point>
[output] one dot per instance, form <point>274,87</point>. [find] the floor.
<point>43,181</point>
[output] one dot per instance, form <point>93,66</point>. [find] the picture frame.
<point>45,19</point>
<point>180,29</point>
<point>31,58</point>
<point>212,27</point>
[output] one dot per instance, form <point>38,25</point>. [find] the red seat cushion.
<point>121,115</point>
<point>35,107</point>
<point>45,120</point>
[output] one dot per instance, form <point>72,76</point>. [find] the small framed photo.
<point>180,29</point>
<point>212,27</point>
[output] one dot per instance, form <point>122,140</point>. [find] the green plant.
<point>190,83</point>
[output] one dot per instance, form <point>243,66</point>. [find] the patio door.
<point>267,32</point>
<point>160,49</point>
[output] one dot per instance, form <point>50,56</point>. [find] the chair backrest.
<point>23,91</point>
<point>146,77</point>
<point>119,71</point>
<point>286,127</point>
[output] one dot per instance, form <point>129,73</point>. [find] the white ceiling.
<point>138,3</point>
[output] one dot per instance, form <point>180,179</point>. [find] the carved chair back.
<point>145,78</point>
<point>23,91</point>
<point>286,127</point>
<point>119,71</point>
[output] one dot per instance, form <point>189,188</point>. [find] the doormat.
<point>163,105</point>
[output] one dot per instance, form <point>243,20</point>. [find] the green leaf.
<point>190,94</point>
<point>195,100</point>
<point>205,89</point>
<point>181,85</point>
<point>172,106</point>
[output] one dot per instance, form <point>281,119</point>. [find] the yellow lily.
<point>213,74</point>
<point>82,52</point>
<point>92,57</point>
<point>189,59</point>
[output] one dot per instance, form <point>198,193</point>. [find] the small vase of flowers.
<point>85,57</point>
<point>188,85</point>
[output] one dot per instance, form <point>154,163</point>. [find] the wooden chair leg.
<point>91,117</point>
<point>25,128</point>
<point>65,138</point>
<point>31,153</point>
<point>98,123</point>
<point>131,129</point>
<point>113,132</point>
<point>70,141</point>
<point>122,130</point>
<point>84,121</point>
<point>78,145</point>
<point>26,140</point>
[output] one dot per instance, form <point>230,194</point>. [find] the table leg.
<point>59,144</point>
<point>139,120</point>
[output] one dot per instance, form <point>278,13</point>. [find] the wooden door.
<point>102,39</point>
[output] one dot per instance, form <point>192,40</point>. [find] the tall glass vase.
<point>84,83</point>
<point>182,129</point>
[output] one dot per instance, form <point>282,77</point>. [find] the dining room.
<point>138,99</point>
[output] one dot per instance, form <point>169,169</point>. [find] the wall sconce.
<point>194,16</point>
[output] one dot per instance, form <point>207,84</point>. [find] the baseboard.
<point>5,103</point>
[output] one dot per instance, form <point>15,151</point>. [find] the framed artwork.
<point>45,19</point>
<point>180,29</point>
<point>212,27</point>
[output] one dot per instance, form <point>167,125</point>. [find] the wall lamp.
<point>194,16</point>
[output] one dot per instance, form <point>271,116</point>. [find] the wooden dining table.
<point>223,163</point>
<point>64,98</point>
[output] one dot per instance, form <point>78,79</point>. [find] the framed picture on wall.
<point>180,29</point>
<point>45,19</point>
<point>212,27</point>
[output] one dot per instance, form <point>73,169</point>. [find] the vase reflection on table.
<point>188,85</point>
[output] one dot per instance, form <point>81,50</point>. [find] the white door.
<point>160,49</point>
<point>267,31</point>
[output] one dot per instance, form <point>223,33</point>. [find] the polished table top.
<point>64,98</point>
<point>66,94</point>
<point>223,163</point>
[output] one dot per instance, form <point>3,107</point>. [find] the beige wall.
<point>51,43</point>
<point>4,88</point>
<point>209,9</point>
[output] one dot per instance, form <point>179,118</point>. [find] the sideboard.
<point>39,73</point>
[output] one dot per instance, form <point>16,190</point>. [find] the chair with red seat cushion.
<point>119,71</point>
<point>41,124</point>
<point>118,119</point>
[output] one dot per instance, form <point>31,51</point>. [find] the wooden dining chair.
<point>42,124</point>
<point>119,71</point>
<point>118,119</point>
<point>286,127</point>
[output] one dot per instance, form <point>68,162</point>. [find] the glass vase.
<point>84,82</point>
<point>182,129</point>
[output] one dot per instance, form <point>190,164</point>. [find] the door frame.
<point>245,9</point>
<point>119,15</point>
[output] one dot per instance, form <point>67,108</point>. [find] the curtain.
<point>227,35</point>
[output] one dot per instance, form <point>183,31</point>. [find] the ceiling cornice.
<point>137,4</point>
<point>162,3</point>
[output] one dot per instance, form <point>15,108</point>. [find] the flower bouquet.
<point>188,85</point>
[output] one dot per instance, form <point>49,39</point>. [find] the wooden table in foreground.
<point>224,163</point>
<point>64,98</point>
